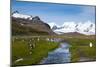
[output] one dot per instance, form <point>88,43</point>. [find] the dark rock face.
<point>15,12</point>
<point>36,18</point>
<point>31,27</point>
<point>54,27</point>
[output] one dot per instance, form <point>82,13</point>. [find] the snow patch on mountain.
<point>23,16</point>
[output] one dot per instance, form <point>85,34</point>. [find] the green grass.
<point>20,49</point>
<point>80,48</point>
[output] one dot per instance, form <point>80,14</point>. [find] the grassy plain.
<point>21,49</point>
<point>79,48</point>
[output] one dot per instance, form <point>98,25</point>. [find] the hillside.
<point>25,26</point>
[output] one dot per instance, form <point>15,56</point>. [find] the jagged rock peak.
<point>36,18</point>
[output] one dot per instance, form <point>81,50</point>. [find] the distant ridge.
<point>86,28</point>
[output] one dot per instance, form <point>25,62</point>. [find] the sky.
<point>57,13</point>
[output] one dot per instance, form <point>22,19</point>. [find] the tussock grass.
<point>80,48</point>
<point>21,49</point>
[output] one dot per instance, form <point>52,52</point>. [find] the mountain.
<point>72,34</point>
<point>87,28</point>
<point>29,25</point>
<point>16,14</point>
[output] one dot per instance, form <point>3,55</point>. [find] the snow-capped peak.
<point>68,24</point>
<point>23,16</point>
<point>52,24</point>
<point>87,28</point>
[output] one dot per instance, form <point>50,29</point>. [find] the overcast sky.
<point>58,13</point>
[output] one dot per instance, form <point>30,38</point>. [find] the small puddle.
<point>59,55</point>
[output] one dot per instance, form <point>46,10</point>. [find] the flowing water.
<point>59,55</point>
